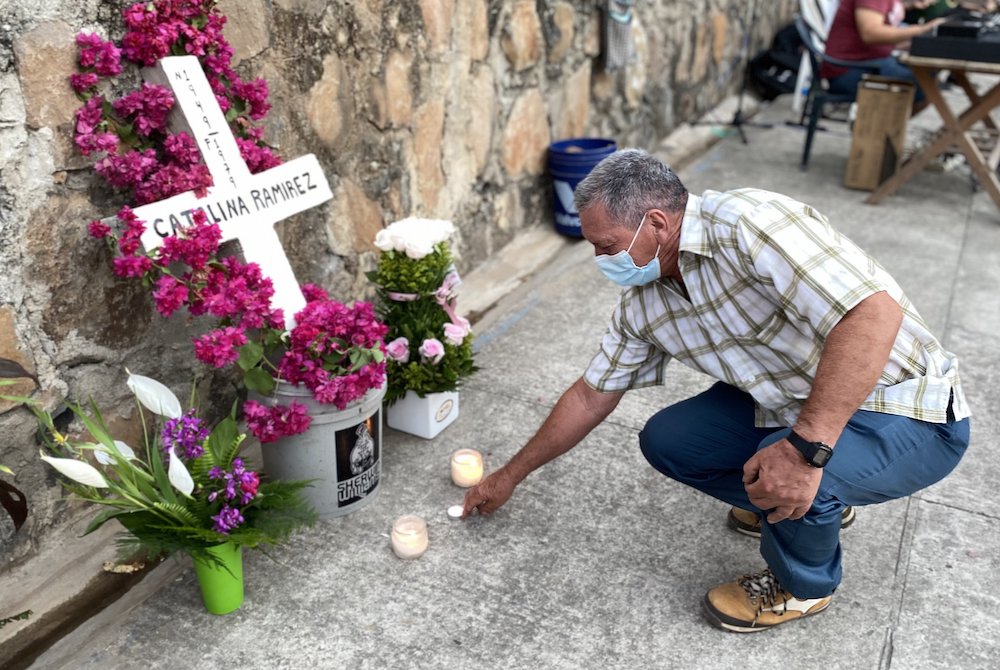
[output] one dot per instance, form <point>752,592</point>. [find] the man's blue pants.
<point>705,440</point>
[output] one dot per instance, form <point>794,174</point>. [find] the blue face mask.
<point>622,270</point>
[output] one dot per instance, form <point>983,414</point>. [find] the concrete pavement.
<point>598,561</point>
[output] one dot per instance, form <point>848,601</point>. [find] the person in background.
<point>832,392</point>
<point>871,30</point>
<point>938,8</point>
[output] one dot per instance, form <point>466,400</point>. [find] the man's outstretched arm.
<point>579,410</point>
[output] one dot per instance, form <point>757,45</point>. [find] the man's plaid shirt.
<point>768,279</point>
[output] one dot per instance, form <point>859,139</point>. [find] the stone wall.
<point>440,108</point>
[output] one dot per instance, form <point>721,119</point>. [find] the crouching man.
<point>832,391</point>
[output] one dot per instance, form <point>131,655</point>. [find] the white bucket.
<point>341,450</point>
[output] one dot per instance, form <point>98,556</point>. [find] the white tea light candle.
<point>466,467</point>
<point>409,536</point>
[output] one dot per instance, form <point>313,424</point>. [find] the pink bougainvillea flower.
<point>98,229</point>
<point>131,266</point>
<point>220,347</point>
<point>147,108</point>
<point>182,149</point>
<point>270,424</point>
<point>83,81</point>
<point>170,295</point>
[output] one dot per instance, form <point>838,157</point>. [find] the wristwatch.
<point>817,454</point>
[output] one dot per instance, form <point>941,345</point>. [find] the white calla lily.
<point>78,471</point>
<point>104,457</point>
<point>179,476</point>
<point>154,396</point>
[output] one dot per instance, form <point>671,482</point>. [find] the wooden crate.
<point>879,131</point>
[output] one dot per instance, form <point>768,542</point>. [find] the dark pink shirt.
<point>845,42</point>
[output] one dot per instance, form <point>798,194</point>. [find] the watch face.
<point>822,456</point>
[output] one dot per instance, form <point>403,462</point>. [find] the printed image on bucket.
<point>569,162</point>
<point>341,451</point>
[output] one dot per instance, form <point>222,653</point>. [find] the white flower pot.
<point>424,417</point>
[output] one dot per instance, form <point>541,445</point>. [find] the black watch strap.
<point>817,454</point>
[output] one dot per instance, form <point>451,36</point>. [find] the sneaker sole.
<point>754,531</point>
<point>722,622</point>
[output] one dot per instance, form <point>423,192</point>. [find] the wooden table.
<point>955,131</point>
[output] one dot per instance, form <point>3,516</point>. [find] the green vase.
<point>221,582</point>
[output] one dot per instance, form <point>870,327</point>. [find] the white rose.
<point>418,249</point>
<point>417,235</point>
<point>384,240</point>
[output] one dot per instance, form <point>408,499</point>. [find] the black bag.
<point>773,72</point>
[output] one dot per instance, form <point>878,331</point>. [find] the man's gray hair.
<point>629,183</point>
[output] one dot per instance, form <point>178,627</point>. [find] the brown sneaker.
<point>754,603</point>
<point>748,523</point>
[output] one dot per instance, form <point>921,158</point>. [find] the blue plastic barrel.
<point>569,162</point>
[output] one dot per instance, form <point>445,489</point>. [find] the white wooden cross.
<point>245,206</point>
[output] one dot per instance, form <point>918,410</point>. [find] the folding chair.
<point>819,15</point>
<point>819,96</point>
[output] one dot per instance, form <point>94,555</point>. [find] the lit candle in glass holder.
<point>466,467</point>
<point>409,536</point>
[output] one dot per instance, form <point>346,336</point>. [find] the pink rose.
<point>432,350</point>
<point>399,350</point>
<point>454,334</point>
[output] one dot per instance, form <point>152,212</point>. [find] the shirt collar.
<point>694,234</point>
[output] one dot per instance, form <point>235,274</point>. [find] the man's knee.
<point>663,443</point>
<point>656,444</point>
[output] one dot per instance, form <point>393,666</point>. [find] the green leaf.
<point>250,355</point>
<point>137,520</point>
<point>220,441</point>
<point>4,468</point>
<point>259,380</point>
<point>154,457</point>
<point>103,518</point>
<point>95,426</point>
<point>178,511</point>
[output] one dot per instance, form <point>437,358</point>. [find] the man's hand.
<point>490,494</point>
<point>777,478</point>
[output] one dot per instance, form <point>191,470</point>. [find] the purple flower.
<point>185,435</point>
<point>228,519</point>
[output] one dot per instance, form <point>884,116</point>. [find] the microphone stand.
<point>739,119</point>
